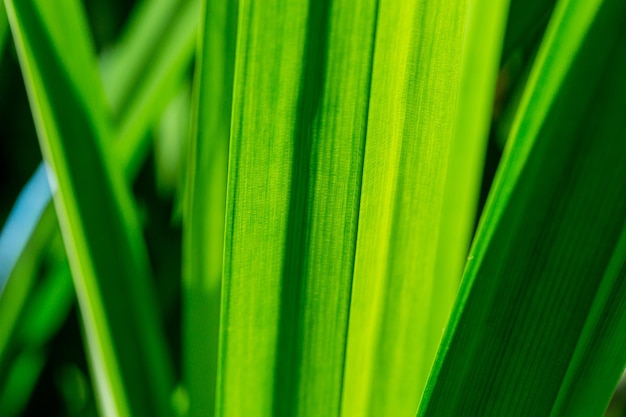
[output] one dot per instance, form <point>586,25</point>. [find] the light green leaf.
<point>540,312</point>
<point>479,74</point>
<point>299,121</point>
<point>404,281</point>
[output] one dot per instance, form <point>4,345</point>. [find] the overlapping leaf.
<point>165,69</point>
<point>536,328</point>
<point>103,240</point>
<point>206,205</point>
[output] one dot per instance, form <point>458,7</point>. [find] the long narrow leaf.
<point>394,319</point>
<point>299,119</point>
<point>479,73</point>
<point>599,359</point>
<point>206,207</point>
<point>108,261</point>
<point>27,234</point>
<point>542,285</point>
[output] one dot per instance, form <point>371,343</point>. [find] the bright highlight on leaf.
<point>299,121</point>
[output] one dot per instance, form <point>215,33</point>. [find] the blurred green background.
<point>61,376</point>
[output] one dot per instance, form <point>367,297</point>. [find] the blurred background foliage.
<point>52,378</point>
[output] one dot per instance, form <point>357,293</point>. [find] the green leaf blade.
<point>549,231</point>
<point>107,256</point>
<point>204,218</point>
<point>415,85</point>
<point>301,89</point>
